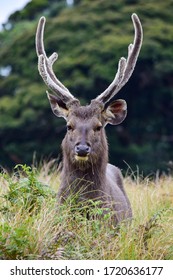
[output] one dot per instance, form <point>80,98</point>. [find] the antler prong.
<point>45,66</point>
<point>39,37</point>
<point>125,66</point>
<point>53,58</point>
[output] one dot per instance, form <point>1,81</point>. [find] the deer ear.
<point>116,112</point>
<point>58,106</point>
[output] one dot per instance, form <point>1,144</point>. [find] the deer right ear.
<point>58,106</point>
<point>116,112</point>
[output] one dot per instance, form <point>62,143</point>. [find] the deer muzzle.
<point>82,152</point>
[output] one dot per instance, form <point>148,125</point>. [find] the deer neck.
<point>93,175</point>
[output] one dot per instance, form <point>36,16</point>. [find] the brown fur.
<point>95,178</point>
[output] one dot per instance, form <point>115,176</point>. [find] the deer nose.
<point>82,150</point>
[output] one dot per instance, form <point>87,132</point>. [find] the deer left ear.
<point>58,106</point>
<point>116,112</point>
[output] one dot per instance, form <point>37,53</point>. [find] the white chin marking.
<point>78,158</point>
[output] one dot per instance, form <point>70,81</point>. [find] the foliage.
<point>24,189</point>
<point>66,233</point>
<point>89,46</point>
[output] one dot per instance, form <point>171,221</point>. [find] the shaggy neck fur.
<point>87,179</point>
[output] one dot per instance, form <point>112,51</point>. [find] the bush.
<point>24,189</point>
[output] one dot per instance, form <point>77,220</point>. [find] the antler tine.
<point>125,67</point>
<point>45,65</point>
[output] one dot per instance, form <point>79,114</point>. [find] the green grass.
<point>31,226</point>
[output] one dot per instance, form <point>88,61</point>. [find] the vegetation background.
<point>90,37</point>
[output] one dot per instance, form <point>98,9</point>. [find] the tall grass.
<point>31,226</point>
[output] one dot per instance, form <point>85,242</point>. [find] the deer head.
<point>85,139</point>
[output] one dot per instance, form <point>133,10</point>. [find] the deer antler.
<point>125,66</point>
<point>45,65</point>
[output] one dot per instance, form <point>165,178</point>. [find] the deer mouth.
<point>81,158</point>
<point>82,162</point>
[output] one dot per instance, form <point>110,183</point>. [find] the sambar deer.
<point>85,150</point>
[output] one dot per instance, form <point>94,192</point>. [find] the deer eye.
<point>69,127</point>
<point>98,128</point>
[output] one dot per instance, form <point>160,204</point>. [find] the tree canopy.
<point>90,37</point>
